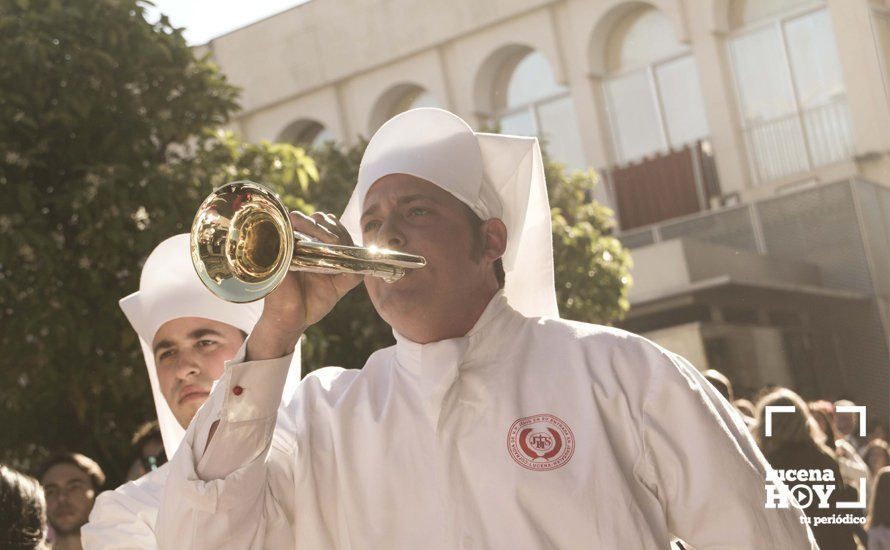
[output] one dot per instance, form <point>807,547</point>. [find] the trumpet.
<point>243,245</point>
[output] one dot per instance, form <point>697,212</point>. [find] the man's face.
<point>190,353</point>
<point>69,497</point>
<point>845,423</point>
<point>409,214</point>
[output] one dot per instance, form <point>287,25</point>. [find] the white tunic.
<point>525,433</point>
<point>125,517</point>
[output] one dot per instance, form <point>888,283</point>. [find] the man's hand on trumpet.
<point>303,298</point>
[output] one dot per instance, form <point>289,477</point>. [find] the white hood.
<point>497,176</point>
<point>170,289</point>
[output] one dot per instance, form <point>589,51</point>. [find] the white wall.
<point>332,60</point>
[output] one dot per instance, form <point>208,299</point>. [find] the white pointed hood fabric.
<point>169,289</point>
<point>497,176</point>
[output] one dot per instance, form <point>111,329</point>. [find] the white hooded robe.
<point>528,432</point>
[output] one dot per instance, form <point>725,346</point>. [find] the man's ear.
<point>494,239</point>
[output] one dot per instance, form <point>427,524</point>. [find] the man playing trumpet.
<point>491,423</point>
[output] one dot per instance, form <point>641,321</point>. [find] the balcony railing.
<point>818,225</point>
<point>734,227</point>
<point>800,141</point>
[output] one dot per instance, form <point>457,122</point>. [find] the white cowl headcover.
<point>170,289</point>
<point>497,176</point>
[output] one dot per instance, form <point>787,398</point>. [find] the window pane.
<point>761,75</point>
<point>682,101</point>
<point>414,99</point>
<point>559,129</point>
<point>532,79</point>
<point>814,59</point>
<point>321,138</point>
<point>425,99</point>
<point>633,115</point>
<point>518,124</point>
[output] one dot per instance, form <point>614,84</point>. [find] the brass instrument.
<point>243,245</point>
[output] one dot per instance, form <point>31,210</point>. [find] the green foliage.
<point>105,152</point>
<point>592,268</point>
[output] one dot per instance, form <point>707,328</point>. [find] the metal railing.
<point>800,141</point>
<point>734,227</point>
<point>817,225</point>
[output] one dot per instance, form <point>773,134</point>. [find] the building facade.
<point>743,144</point>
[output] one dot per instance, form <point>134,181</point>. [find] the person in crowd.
<point>22,511</point>
<point>70,482</point>
<point>797,444</point>
<point>876,455</point>
<point>148,446</point>
<point>847,425</point>
<point>877,429</point>
<point>724,386</point>
<point>746,407</point>
<point>823,414</point>
<point>763,391</point>
<point>878,524</point>
<point>186,334</point>
<point>491,423</point>
<point>853,468</point>
<point>721,383</point>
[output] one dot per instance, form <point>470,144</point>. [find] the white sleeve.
<point>239,493</point>
<point>706,470</point>
<point>118,521</point>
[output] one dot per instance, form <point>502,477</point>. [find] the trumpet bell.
<point>241,242</point>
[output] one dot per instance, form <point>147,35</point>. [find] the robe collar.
<point>423,359</point>
<point>432,369</point>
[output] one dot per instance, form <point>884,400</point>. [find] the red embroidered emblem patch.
<point>541,442</point>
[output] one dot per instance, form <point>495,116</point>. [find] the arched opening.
<point>663,167</point>
<point>651,87</point>
<point>307,133</point>
<point>399,99</point>
<point>518,94</point>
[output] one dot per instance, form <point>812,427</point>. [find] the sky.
<point>207,19</point>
